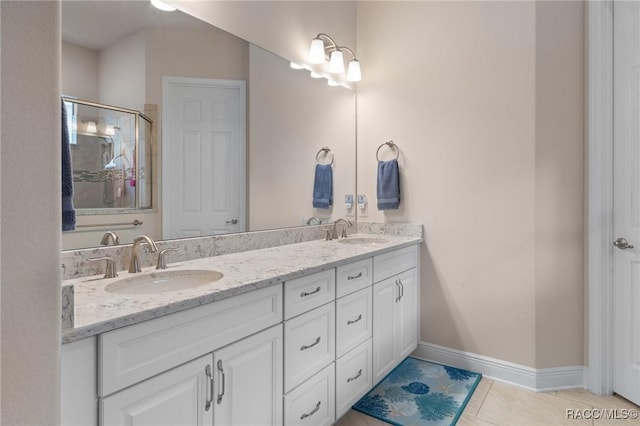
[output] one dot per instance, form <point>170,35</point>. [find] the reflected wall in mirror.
<point>117,53</point>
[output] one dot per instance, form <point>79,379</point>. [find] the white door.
<point>249,381</point>
<point>203,157</point>
<point>175,398</point>
<point>626,196</point>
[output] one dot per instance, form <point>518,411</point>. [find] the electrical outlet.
<point>362,205</point>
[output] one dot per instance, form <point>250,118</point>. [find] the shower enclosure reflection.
<point>111,156</point>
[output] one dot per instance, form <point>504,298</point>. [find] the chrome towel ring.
<point>392,145</point>
<point>326,151</point>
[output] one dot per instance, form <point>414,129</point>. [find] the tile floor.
<point>499,404</point>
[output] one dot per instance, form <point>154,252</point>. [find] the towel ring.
<point>326,151</point>
<point>391,145</point>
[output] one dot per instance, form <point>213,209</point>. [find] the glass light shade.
<point>162,6</point>
<point>336,63</point>
<point>109,130</point>
<point>353,72</point>
<point>315,75</point>
<point>91,127</point>
<point>316,51</point>
<point>296,66</point>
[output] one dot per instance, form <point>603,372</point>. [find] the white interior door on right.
<point>626,195</point>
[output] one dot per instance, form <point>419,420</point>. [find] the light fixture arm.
<point>332,43</point>
<point>348,50</point>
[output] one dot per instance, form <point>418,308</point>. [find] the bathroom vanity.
<point>290,335</point>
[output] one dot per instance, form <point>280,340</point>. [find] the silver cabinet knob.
<point>622,244</point>
<point>232,221</point>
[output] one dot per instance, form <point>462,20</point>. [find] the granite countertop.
<point>98,311</point>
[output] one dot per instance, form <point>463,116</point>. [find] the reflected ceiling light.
<point>315,74</point>
<point>332,83</point>
<point>323,45</point>
<point>296,66</point>
<point>162,6</point>
<point>91,127</point>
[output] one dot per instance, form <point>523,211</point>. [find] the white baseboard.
<point>536,379</point>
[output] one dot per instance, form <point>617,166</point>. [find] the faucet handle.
<point>110,268</point>
<point>162,263</point>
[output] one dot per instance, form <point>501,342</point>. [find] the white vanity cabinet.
<point>396,309</point>
<point>248,381</point>
<point>300,353</point>
<point>181,396</point>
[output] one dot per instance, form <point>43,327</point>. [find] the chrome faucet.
<point>347,224</point>
<point>134,264</point>
<point>110,237</point>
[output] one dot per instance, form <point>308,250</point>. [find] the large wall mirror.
<point>233,124</point>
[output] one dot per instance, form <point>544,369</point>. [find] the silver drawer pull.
<point>305,347</point>
<point>207,372</point>
<point>305,294</point>
<point>221,371</point>
<point>355,320</point>
<point>310,413</point>
<point>353,277</point>
<point>351,379</point>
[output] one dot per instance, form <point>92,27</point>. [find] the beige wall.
<point>485,101</point>
<point>122,72</point>
<point>304,115</point>
<point>80,72</point>
<point>30,210</point>
<point>282,27</point>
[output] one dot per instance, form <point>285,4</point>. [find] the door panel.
<point>204,160</point>
<point>626,196</point>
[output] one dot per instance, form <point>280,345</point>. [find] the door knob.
<point>622,244</point>
<point>232,221</point>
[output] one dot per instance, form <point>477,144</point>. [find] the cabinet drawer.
<point>353,320</point>
<point>308,292</point>
<point>392,263</point>
<point>313,402</point>
<point>309,344</point>
<point>354,276</point>
<point>353,377</point>
<point>132,354</point>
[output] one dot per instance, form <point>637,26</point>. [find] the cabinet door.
<point>248,377</point>
<point>176,397</point>
<point>384,300</point>
<point>406,315</point>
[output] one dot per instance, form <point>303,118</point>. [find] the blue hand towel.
<point>388,185</point>
<point>323,187</point>
<point>68,212</point>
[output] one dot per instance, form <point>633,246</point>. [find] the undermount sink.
<point>163,281</point>
<point>362,240</point>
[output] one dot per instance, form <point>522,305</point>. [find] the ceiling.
<point>98,24</point>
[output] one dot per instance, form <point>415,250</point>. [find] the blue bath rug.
<point>419,392</point>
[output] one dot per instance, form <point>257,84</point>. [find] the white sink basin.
<point>362,240</point>
<point>163,281</point>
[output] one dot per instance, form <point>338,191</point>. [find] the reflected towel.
<point>323,187</point>
<point>388,185</point>
<point>68,212</point>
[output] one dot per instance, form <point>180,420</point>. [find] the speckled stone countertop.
<point>98,311</point>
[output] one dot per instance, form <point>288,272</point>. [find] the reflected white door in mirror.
<point>204,126</point>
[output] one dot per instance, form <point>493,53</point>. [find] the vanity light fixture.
<point>296,66</point>
<point>315,74</point>
<point>162,6</point>
<point>91,127</point>
<point>332,83</point>
<point>318,52</point>
<point>109,130</point>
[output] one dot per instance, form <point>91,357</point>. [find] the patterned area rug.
<point>419,392</point>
